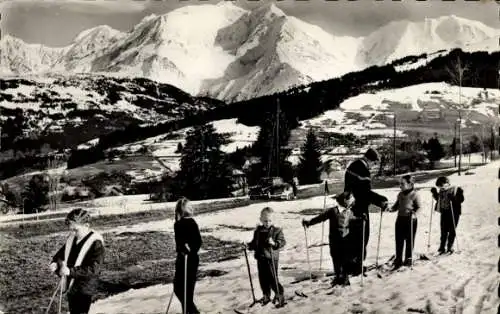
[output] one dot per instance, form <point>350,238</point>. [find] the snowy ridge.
<point>237,54</point>
<point>404,38</point>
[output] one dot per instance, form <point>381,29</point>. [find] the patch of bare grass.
<point>133,260</point>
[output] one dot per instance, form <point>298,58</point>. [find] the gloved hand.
<point>385,206</point>
<point>271,242</point>
<point>305,223</point>
<point>64,271</point>
<point>53,267</point>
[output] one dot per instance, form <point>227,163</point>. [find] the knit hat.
<point>442,181</point>
<point>78,215</point>
<point>372,155</point>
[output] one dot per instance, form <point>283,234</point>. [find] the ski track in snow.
<point>461,283</point>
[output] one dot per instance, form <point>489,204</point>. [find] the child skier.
<point>267,241</point>
<point>407,205</point>
<point>449,203</point>
<point>188,243</point>
<point>79,261</point>
<point>339,216</point>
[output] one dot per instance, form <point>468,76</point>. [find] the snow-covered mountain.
<point>404,38</point>
<point>237,54</point>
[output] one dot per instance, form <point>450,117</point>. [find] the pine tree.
<point>266,146</point>
<point>310,162</point>
<point>205,171</point>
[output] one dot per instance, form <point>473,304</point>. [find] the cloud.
<point>81,6</point>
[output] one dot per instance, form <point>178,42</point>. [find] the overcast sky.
<point>56,22</point>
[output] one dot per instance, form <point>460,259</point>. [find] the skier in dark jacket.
<point>407,205</point>
<point>357,180</point>
<point>267,241</point>
<point>339,216</point>
<point>449,201</point>
<point>79,261</point>
<point>188,243</point>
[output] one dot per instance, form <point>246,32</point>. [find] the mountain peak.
<point>101,29</point>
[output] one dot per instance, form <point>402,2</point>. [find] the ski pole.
<point>363,252</point>
<point>454,225</point>
<point>411,241</point>
<point>53,297</point>
<point>63,283</point>
<point>170,301</point>
<point>322,235</point>
<point>307,254</point>
<point>184,310</point>
<point>275,273</point>
<point>250,277</point>
<point>378,240</point>
<point>430,228</point>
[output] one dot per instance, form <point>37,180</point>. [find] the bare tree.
<point>456,72</point>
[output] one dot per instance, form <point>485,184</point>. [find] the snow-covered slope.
<point>275,52</point>
<point>429,104</point>
<point>19,57</point>
<point>237,54</point>
<point>165,146</point>
<point>460,283</point>
<point>404,38</point>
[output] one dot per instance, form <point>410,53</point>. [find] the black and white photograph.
<point>217,156</point>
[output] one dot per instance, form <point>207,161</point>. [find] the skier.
<point>449,201</point>
<point>267,241</point>
<point>407,205</point>
<point>188,242</point>
<point>79,260</point>
<point>358,181</point>
<point>339,216</point>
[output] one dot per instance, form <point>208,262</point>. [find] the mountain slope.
<point>403,38</point>
<point>237,54</point>
<point>66,111</point>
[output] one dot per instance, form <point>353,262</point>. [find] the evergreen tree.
<point>35,194</point>
<point>310,162</point>
<point>205,171</point>
<point>266,146</point>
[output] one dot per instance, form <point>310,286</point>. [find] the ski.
<point>300,294</point>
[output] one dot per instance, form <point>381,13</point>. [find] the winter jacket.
<point>339,217</point>
<point>187,232</point>
<point>452,197</point>
<point>357,178</point>
<point>407,203</point>
<point>260,243</point>
<point>84,260</point>
<point>358,181</point>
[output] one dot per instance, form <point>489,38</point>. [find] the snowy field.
<point>416,98</point>
<point>465,282</point>
<point>239,134</point>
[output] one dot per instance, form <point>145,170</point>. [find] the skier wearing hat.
<point>357,180</point>
<point>78,262</point>
<point>339,216</point>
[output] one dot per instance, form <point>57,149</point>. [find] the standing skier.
<point>358,181</point>
<point>449,203</point>
<point>339,217</point>
<point>188,243</point>
<point>267,241</point>
<point>407,205</point>
<point>79,260</point>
